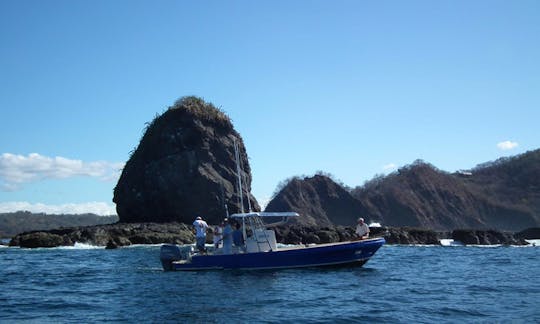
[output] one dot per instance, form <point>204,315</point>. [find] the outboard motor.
<point>169,253</point>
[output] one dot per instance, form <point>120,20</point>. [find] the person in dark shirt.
<point>227,237</point>
<point>238,236</point>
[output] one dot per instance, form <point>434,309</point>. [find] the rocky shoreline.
<point>125,234</point>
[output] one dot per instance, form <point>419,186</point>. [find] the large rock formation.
<point>319,200</point>
<point>184,166</point>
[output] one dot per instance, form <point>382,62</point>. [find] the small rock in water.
<point>111,245</point>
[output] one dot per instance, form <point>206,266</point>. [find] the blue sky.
<point>352,88</point>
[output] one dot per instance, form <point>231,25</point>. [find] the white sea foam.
<point>81,246</point>
<point>141,246</point>
<point>535,242</point>
<point>450,242</point>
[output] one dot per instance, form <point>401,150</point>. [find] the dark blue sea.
<point>400,284</point>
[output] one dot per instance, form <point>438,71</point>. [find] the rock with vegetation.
<point>184,167</point>
<point>319,200</point>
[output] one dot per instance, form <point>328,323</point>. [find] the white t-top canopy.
<point>265,214</point>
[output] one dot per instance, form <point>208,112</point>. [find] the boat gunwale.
<point>184,265</point>
<point>311,246</point>
<point>314,265</point>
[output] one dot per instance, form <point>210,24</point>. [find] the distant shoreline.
<point>14,223</point>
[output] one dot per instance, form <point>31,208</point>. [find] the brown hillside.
<point>502,195</point>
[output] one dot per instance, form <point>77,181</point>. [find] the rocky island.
<point>184,166</point>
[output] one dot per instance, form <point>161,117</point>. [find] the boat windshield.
<point>255,232</point>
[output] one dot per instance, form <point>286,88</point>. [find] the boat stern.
<point>170,253</point>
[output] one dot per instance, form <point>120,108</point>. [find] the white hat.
<point>198,218</point>
<point>360,219</point>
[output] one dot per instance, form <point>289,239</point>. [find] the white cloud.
<point>15,170</point>
<point>507,145</point>
<point>98,208</point>
<point>389,167</point>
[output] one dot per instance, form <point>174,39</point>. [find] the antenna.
<point>240,192</point>
<point>246,186</point>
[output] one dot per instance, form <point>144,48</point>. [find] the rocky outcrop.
<point>39,239</point>
<point>118,235</point>
<point>184,166</point>
<point>393,235</point>
<point>487,237</point>
<point>406,235</point>
<point>529,234</point>
<point>319,200</point>
<point>114,235</point>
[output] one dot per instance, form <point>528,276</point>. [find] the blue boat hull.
<point>334,254</point>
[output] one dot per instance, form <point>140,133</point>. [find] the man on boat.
<point>227,237</point>
<point>238,237</point>
<point>200,233</point>
<point>362,230</point>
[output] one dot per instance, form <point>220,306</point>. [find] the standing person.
<point>238,236</point>
<point>200,233</point>
<point>218,235</point>
<point>227,237</point>
<point>362,230</point>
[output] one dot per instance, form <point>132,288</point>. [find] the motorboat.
<point>260,251</point>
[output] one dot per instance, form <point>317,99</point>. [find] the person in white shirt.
<point>362,230</point>
<point>200,233</point>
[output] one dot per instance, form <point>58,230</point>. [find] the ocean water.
<point>400,284</point>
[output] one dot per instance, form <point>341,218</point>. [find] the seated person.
<point>362,229</point>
